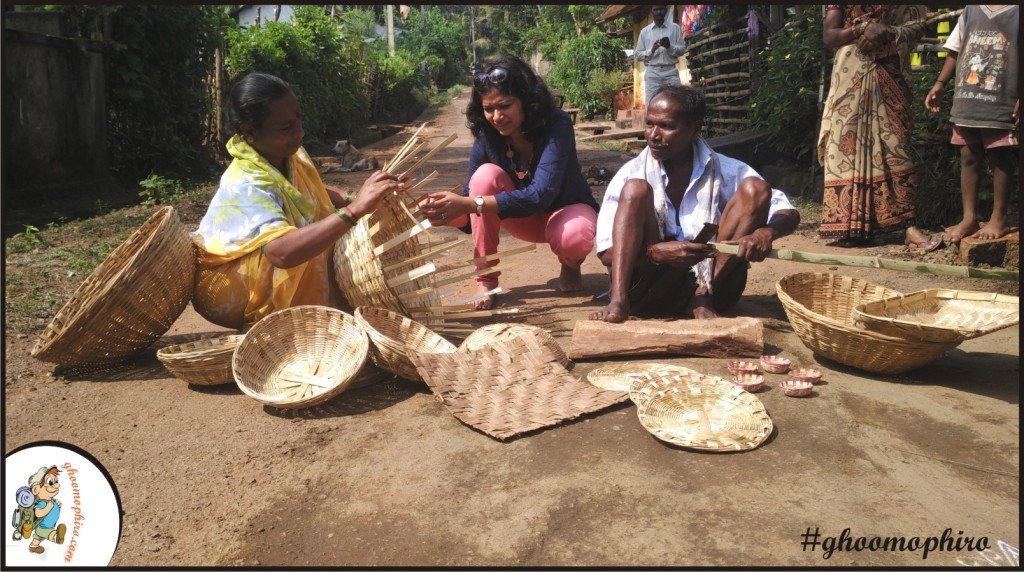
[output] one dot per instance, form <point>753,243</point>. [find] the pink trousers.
<point>569,230</point>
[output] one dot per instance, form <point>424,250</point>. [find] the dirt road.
<point>386,476</point>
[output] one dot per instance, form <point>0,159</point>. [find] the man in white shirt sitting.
<point>657,204</point>
<point>659,46</point>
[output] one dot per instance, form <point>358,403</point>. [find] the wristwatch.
<point>479,202</point>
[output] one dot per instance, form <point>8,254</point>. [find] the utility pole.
<point>391,29</point>
<point>472,29</point>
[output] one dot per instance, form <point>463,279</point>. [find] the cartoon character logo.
<point>38,510</point>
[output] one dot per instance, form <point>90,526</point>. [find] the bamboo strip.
<point>408,157</point>
<point>744,121</point>
<point>480,314</point>
<point>732,48</point>
<point>482,271</point>
<point>430,154</point>
<point>414,274</point>
<point>729,93</point>
<point>730,108</point>
<point>409,143</point>
<point>413,231</point>
<point>512,252</point>
<point>401,153</point>
<point>884,263</point>
<point>433,175</point>
<point>480,296</point>
<point>738,60</point>
<point>714,38</point>
<point>723,77</point>
<point>424,255</point>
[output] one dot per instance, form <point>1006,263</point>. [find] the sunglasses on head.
<point>495,77</point>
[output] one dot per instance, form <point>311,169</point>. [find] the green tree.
<point>574,68</point>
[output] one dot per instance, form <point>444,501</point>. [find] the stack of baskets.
<point>824,309</point>
<point>394,336</point>
<point>201,362</point>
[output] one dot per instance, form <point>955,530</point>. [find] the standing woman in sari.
<point>863,144</point>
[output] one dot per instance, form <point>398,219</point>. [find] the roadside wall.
<point>55,136</point>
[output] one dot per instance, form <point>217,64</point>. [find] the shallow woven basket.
<point>820,308</point>
<point>700,412</point>
<point>621,376</point>
<point>129,301</point>
<point>301,356</point>
<point>201,362</point>
<point>501,332</point>
<point>940,315</point>
<point>394,336</point>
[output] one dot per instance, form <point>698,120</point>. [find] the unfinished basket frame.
<point>300,356</point>
<point>939,315</point>
<point>394,336</point>
<point>130,300</point>
<point>201,362</point>
<point>700,412</point>
<point>820,308</point>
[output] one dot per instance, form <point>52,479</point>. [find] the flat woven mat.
<point>510,387</point>
<point>700,412</point>
<point>620,376</point>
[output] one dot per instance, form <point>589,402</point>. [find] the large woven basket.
<point>501,332</point>
<point>940,315</point>
<point>129,301</point>
<point>394,336</point>
<point>820,308</point>
<point>700,412</point>
<point>301,356</point>
<point>201,362</point>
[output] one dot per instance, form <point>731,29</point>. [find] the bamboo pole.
<point>884,263</point>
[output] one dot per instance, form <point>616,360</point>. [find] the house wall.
<point>54,111</point>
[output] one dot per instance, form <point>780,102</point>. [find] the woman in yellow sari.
<point>870,178</point>
<point>266,240</point>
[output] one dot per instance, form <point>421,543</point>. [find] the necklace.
<point>521,172</point>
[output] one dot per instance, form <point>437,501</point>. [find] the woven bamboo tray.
<point>820,308</point>
<point>510,387</point>
<point>500,332</point>
<point>201,362</point>
<point>129,301</point>
<point>300,356</point>
<point>394,336</point>
<point>621,376</point>
<point>701,412</point>
<point>939,315</point>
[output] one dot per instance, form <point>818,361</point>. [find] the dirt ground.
<point>385,476</point>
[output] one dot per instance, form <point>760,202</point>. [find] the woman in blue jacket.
<point>524,175</point>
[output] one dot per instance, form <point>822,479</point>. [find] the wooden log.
<point>720,337</point>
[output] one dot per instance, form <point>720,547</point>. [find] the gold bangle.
<point>345,215</point>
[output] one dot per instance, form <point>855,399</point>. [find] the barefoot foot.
<point>966,227</point>
<point>613,313</point>
<point>703,307</point>
<point>570,280</point>
<point>993,229</point>
<point>917,239</point>
<point>487,302</point>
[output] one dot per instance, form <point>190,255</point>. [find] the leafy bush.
<point>572,70</point>
<point>786,100</point>
<point>605,84</point>
<point>157,190</point>
<point>158,100</point>
<point>323,68</point>
<point>399,88</point>
<point>436,45</point>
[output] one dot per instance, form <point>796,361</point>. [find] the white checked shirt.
<point>686,223</point>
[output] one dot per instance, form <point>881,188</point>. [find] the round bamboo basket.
<point>129,301</point>
<point>501,332</point>
<point>201,362</point>
<point>394,336</point>
<point>939,315</point>
<point>820,308</point>
<point>700,412</point>
<point>621,376</point>
<point>300,356</point>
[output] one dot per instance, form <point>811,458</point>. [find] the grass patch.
<point>616,146</point>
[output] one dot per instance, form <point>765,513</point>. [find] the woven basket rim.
<point>160,219</point>
<point>784,296</point>
<point>369,313</point>
<point>183,351</point>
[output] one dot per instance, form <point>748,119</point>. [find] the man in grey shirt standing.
<point>659,46</point>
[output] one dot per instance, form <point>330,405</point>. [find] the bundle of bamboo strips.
<point>877,262</point>
<point>387,260</point>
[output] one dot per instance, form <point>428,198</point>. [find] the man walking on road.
<point>659,46</point>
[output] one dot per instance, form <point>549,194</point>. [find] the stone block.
<point>1003,252</point>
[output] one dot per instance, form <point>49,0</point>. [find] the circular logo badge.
<point>63,507</point>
